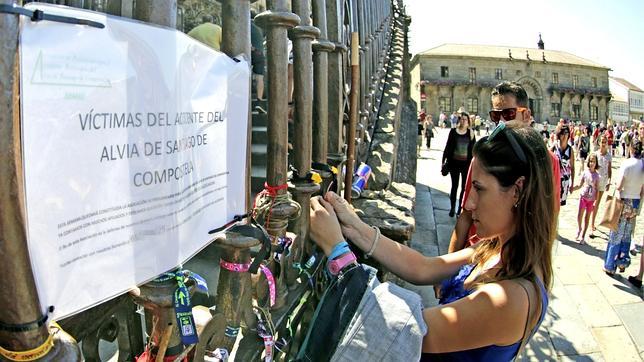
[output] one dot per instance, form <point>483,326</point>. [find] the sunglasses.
<point>508,113</point>
<point>518,151</point>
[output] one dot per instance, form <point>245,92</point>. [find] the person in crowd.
<point>504,281</point>
<point>477,125</point>
<point>208,32</point>
<point>509,104</point>
<point>584,148</point>
<point>610,136</point>
<point>623,140</point>
<point>419,138</point>
<point>589,185</point>
<point>605,164</point>
<point>631,191</point>
<point>258,60</point>
<point>566,156</point>
<point>458,155</point>
<point>429,131</point>
<point>453,119</point>
<point>545,133</point>
<point>442,119</point>
<point>636,280</point>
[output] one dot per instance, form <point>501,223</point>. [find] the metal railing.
<point>321,113</point>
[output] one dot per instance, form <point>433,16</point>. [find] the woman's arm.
<point>332,220</point>
<point>495,314</point>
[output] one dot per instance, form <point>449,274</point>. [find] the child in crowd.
<point>589,185</point>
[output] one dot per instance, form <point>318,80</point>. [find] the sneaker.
<point>633,252</point>
<point>636,282</point>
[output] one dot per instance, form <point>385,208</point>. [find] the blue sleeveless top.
<point>452,290</point>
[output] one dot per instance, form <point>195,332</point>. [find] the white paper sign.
<point>134,141</point>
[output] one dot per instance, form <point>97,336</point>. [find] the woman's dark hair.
<point>637,148</point>
<point>530,248</point>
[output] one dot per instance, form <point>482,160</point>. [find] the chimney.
<point>540,44</point>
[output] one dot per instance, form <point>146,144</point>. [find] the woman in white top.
<point>605,161</point>
<point>631,191</point>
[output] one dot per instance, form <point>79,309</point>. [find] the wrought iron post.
<point>336,86</point>
<point>162,12</point>
<point>353,109</point>
<point>234,290</point>
<point>302,37</point>
<point>321,47</point>
<point>276,21</point>
<point>18,295</point>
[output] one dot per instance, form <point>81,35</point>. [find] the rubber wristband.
<point>374,244</point>
<point>339,249</point>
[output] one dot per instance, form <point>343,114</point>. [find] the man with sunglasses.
<point>509,103</point>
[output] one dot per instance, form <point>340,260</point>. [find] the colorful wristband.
<point>339,249</point>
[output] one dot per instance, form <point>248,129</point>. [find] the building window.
<point>445,104</point>
<point>555,109</point>
<point>593,113</point>
<point>537,74</point>
<point>472,75</point>
<point>444,72</point>
<point>518,72</point>
<point>576,110</point>
<point>498,74</point>
<point>555,78</point>
<point>473,105</point>
<point>575,81</point>
<point>593,80</point>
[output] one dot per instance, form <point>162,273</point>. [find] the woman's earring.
<point>516,205</point>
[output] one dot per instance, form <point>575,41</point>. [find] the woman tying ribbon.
<point>494,294</point>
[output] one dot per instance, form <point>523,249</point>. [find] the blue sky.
<point>608,32</point>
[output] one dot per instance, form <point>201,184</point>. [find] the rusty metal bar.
<point>334,27</point>
<point>234,290</point>
<point>236,41</point>
<point>161,12</point>
<point>321,49</point>
<point>18,295</point>
<point>353,117</point>
<point>275,22</point>
<point>302,37</point>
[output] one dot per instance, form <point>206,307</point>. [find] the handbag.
<point>614,207</point>
<point>445,168</point>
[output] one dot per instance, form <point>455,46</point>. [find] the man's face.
<point>500,102</point>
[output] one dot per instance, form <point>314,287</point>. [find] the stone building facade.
<point>559,84</point>
<point>627,104</point>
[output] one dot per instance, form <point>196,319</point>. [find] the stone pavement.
<point>592,317</point>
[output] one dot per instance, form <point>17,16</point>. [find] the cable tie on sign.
<point>39,15</point>
<point>236,219</point>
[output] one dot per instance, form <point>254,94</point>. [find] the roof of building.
<point>496,51</point>
<point>627,84</point>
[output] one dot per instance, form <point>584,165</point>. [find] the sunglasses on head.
<point>518,151</point>
<point>508,113</point>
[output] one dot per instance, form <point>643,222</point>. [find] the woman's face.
<point>592,163</point>
<point>491,205</point>
<point>464,121</point>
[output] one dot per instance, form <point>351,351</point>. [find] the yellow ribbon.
<point>32,354</point>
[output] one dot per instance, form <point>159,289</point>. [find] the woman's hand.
<point>325,227</point>
<point>352,227</point>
